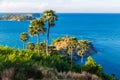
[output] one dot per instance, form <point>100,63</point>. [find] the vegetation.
<point>30,46</point>
<point>50,17</point>
<point>17,17</point>
<point>74,48</point>
<point>36,28</point>
<point>23,65</point>
<point>24,37</point>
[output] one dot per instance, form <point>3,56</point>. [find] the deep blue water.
<point>102,29</point>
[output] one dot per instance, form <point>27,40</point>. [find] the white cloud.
<point>60,5</point>
<point>19,6</point>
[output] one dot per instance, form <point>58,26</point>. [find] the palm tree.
<point>71,47</point>
<point>24,37</point>
<point>70,51</point>
<point>50,17</point>
<point>36,28</point>
<point>51,49</point>
<point>81,53</point>
<point>41,47</point>
<point>82,48</point>
<point>30,46</point>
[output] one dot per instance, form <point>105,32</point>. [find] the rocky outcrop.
<point>62,45</point>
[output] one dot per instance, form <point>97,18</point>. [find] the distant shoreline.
<point>16,20</point>
<point>17,17</point>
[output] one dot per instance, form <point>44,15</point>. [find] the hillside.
<point>17,17</point>
<point>24,65</point>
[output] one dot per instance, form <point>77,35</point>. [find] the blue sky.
<point>61,6</point>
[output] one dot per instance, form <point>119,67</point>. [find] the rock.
<point>62,45</point>
<point>8,74</point>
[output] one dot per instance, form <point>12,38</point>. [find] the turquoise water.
<point>102,29</point>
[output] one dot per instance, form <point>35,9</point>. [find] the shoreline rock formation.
<point>62,45</point>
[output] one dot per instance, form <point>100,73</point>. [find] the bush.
<point>28,64</point>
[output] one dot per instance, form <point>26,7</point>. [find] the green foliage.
<point>30,46</point>
<point>22,57</point>
<point>90,63</point>
<point>52,49</point>
<point>24,63</point>
<point>92,67</point>
<point>37,27</point>
<point>50,16</point>
<point>24,37</point>
<point>40,47</point>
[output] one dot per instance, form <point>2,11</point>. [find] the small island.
<point>18,17</point>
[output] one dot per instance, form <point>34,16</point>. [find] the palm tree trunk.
<point>47,40</point>
<point>81,62</point>
<point>71,61</point>
<point>38,37</point>
<point>23,45</point>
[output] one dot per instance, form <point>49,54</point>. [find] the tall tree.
<point>81,53</point>
<point>81,49</point>
<point>30,46</point>
<point>70,52</point>
<point>71,48</point>
<point>36,28</point>
<point>50,17</point>
<point>24,37</point>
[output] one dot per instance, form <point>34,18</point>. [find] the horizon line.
<point>67,12</point>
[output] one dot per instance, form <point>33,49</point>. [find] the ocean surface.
<point>102,29</point>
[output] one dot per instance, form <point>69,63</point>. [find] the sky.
<point>61,6</point>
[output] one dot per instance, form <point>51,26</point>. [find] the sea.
<point>103,30</point>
